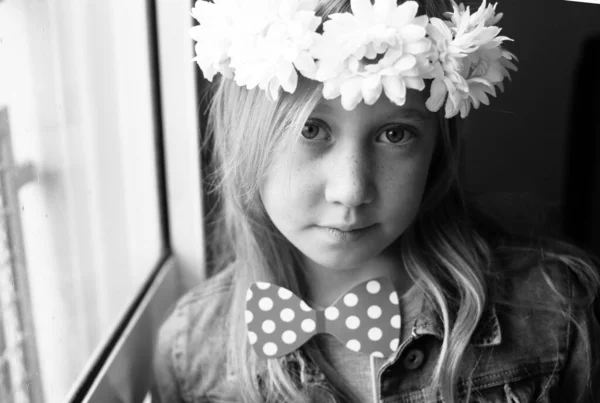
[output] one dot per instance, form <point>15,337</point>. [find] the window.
<point>81,224</point>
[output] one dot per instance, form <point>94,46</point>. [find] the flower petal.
<point>494,74</point>
<point>508,64</point>
<point>372,51</point>
<point>327,69</point>
<point>416,47</point>
<point>412,33</point>
<point>465,108</point>
<point>291,53</point>
<point>395,89</point>
<point>437,95</point>
<point>287,9</point>
<point>383,9</point>
<point>291,83</point>
<point>487,34</point>
<point>273,90</point>
<point>363,10</point>
<point>406,62</point>
<point>284,72</point>
<point>404,14</point>
<point>306,65</point>
<point>360,52</point>
<point>451,110</point>
<point>351,93</point>
<point>479,96</point>
<point>208,72</point>
<point>196,32</point>
<point>414,83</point>
<point>331,90</point>
<point>421,21</point>
<point>371,89</point>
<point>438,30</point>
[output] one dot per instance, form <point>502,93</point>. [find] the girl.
<point>335,139</point>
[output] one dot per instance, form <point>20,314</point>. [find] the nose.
<point>350,182</point>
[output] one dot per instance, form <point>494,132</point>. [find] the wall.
<point>517,145</point>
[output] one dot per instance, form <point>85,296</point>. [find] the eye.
<point>397,135</point>
<point>314,131</point>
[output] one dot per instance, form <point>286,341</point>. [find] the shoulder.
<point>552,276</point>
<point>202,308</point>
<point>192,337</point>
<point>547,303</point>
<point>532,311</point>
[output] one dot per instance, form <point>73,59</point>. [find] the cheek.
<point>401,193</point>
<point>290,188</point>
<point>403,186</point>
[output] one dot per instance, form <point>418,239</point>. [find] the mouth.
<point>348,233</point>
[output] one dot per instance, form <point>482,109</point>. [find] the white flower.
<point>213,35</point>
<point>378,47</point>
<point>470,61</point>
<point>273,42</point>
<point>486,14</point>
<point>259,43</point>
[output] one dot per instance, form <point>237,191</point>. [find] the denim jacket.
<point>518,354</point>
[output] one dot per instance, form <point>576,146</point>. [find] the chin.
<point>342,260</point>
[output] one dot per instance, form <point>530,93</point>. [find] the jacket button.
<point>413,359</point>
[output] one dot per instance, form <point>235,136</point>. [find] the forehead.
<point>413,108</point>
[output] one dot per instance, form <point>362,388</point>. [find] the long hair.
<point>449,254</point>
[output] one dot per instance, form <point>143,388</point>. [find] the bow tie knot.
<point>365,319</point>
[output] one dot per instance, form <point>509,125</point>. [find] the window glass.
<point>80,228</point>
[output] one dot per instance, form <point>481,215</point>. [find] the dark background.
<point>536,148</point>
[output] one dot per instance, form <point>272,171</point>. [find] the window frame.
<point>123,372</point>
<point>114,373</point>
<point>12,178</point>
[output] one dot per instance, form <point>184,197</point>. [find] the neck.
<point>327,284</point>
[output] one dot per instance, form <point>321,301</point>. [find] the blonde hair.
<point>442,250</point>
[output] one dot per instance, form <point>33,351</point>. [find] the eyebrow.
<point>322,106</point>
<point>411,112</point>
<point>406,112</point>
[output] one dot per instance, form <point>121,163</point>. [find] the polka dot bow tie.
<point>365,319</point>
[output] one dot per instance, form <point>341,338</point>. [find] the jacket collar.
<point>487,333</point>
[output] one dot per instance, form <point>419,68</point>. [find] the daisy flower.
<point>260,43</point>
<point>486,14</point>
<point>213,36</point>
<point>377,48</point>
<point>273,43</point>
<point>469,60</point>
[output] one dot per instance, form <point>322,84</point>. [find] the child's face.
<point>352,181</point>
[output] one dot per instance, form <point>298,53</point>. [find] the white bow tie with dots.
<point>365,319</point>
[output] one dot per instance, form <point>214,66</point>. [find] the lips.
<point>347,228</point>
<point>347,233</point>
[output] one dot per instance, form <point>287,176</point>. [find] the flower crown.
<point>379,47</point>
